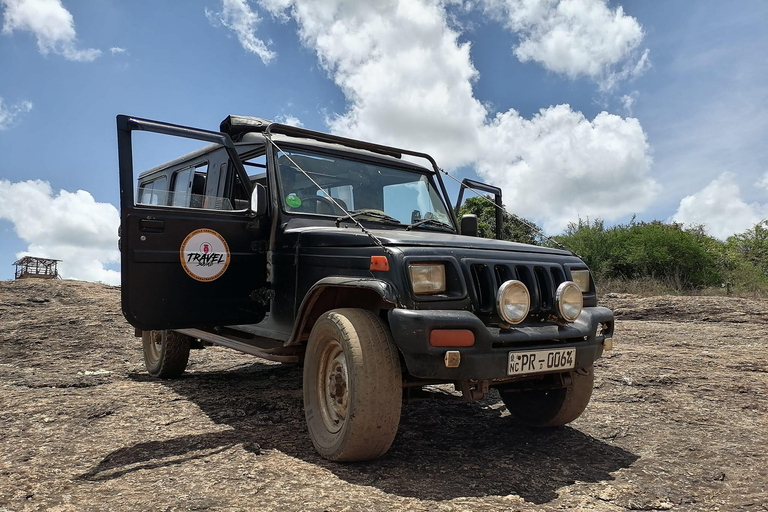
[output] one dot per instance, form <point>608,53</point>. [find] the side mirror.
<point>259,200</point>
<point>469,224</point>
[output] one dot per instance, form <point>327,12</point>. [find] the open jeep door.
<point>190,264</point>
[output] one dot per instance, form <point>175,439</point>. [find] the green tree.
<point>514,229</point>
<point>752,245</point>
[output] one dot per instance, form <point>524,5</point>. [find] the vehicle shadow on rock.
<point>444,450</point>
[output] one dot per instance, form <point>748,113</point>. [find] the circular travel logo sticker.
<point>204,255</point>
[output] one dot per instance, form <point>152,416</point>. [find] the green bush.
<point>680,258</point>
<point>649,257</point>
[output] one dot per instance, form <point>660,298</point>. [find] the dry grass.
<point>650,287</point>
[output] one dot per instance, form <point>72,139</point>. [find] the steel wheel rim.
<point>332,386</point>
<point>155,346</point>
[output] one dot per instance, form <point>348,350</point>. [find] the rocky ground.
<point>678,421</point>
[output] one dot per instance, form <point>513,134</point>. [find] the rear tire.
<point>352,386</point>
<point>552,407</point>
<point>166,353</point>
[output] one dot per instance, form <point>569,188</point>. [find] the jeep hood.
<point>353,237</point>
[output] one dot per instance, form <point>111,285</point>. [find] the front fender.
<point>385,290</point>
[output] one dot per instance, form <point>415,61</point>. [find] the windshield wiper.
<point>377,216</point>
<point>434,222</point>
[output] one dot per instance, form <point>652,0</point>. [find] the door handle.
<point>151,225</point>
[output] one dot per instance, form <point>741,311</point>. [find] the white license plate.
<point>538,361</point>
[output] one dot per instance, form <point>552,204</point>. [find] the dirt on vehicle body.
<point>678,421</point>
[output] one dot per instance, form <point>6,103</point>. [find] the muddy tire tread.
<point>174,358</point>
<point>376,397</point>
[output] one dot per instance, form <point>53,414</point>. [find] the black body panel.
<point>487,358</point>
<point>319,236</point>
<point>157,293</point>
<point>285,263</point>
<point>305,254</point>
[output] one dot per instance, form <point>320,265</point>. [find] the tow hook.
<point>472,391</point>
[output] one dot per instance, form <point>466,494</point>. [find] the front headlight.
<point>581,278</point>
<point>569,301</point>
<point>427,278</point>
<point>513,302</point>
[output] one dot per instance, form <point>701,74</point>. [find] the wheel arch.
<point>341,292</point>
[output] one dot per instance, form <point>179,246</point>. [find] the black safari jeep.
<point>299,246</point>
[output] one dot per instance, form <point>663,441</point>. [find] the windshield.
<point>388,193</point>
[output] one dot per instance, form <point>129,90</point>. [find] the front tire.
<point>166,353</point>
<point>551,407</point>
<point>352,386</point>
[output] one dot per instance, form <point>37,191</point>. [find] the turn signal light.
<point>451,338</point>
<point>379,264</point>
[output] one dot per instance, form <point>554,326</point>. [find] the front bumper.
<point>487,359</point>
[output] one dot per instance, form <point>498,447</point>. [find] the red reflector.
<point>451,338</point>
<point>379,263</point>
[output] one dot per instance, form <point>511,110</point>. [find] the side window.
<point>154,192</point>
<point>238,199</point>
<point>204,178</point>
<point>182,187</point>
<point>192,188</point>
<point>189,190</point>
<point>256,164</point>
<point>197,186</point>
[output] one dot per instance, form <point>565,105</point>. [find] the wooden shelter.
<point>33,267</point>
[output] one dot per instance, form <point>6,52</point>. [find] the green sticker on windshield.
<point>293,200</point>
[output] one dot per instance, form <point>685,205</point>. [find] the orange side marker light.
<point>379,264</point>
<point>451,338</point>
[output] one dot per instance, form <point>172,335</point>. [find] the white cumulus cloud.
<point>575,37</point>
<point>559,165</point>
<point>553,167</point>
<point>289,120</point>
<point>9,114</point>
<point>68,226</point>
<point>52,25</point>
<point>417,94</point>
<point>720,207</point>
<point>238,16</point>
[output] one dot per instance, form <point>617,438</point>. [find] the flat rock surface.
<point>678,421</point>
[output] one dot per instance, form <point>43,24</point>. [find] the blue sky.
<point>577,108</point>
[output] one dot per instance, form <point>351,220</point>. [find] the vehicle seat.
<point>198,191</point>
<point>322,207</point>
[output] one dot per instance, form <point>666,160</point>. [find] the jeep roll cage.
<point>236,126</point>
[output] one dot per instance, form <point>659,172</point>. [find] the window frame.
<point>365,159</point>
<point>143,189</point>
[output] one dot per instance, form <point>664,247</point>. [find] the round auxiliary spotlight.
<point>569,301</point>
<point>513,302</point>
